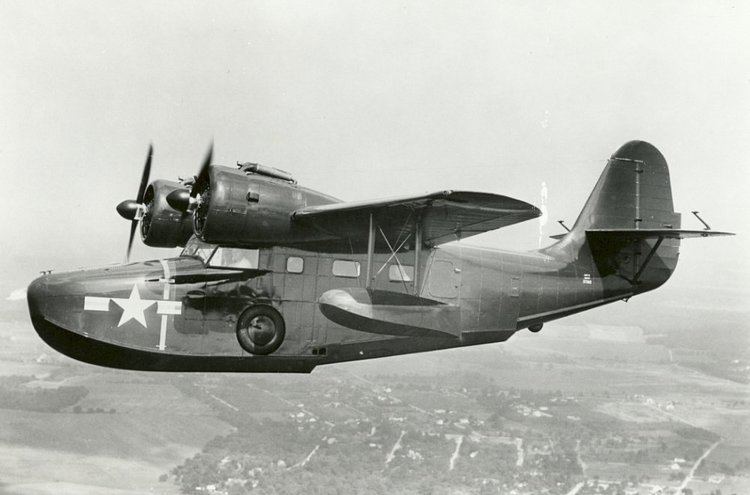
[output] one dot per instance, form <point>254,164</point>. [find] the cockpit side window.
<point>196,247</point>
<point>225,257</point>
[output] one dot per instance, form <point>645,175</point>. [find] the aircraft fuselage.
<point>176,315</point>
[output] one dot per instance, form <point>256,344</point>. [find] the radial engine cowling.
<point>162,225</point>
<point>245,208</point>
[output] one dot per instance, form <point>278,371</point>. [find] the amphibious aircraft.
<point>277,277</point>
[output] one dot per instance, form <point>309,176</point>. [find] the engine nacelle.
<point>247,208</point>
<point>162,225</point>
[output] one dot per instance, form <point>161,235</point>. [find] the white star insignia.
<point>133,307</point>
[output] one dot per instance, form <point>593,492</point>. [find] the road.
<point>691,474</point>
<point>396,447</point>
<point>576,489</point>
<point>452,463</point>
<point>578,458</point>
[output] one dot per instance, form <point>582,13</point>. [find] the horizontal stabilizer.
<point>638,234</point>
<point>641,256</point>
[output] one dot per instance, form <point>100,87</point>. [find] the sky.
<point>372,99</point>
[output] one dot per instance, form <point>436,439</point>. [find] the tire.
<point>260,330</point>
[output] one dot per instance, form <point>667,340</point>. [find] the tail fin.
<point>628,232</point>
<point>632,194</point>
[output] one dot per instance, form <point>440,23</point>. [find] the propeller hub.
<point>180,200</point>
<point>130,210</point>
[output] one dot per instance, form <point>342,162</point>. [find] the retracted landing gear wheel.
<point>260,330</point>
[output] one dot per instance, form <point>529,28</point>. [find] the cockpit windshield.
<point>196,247</point>
<point>221,256</point>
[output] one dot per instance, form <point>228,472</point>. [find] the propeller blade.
<point>129,209</point>
<point>133,226</point>
<point>203,174</point>
<point>146,173</point>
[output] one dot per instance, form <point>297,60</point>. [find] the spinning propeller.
<point>183,200</point>
<point>134,210</point>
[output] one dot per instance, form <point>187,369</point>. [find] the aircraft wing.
<point>446,216</point>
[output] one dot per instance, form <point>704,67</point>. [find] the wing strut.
<point>417,251</point>
<point>394,248</point>
<point>370,251</point>
<point>647,260</point>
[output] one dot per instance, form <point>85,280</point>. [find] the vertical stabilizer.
<point>633,192</point>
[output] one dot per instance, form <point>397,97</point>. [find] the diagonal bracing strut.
<point>417,233</point>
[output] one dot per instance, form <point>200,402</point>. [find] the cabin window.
<point>401,273</point>
<point>235,258</point>
<point>346,268</point>
<point>295,264</point>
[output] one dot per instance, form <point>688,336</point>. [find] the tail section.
<point>632,195</point>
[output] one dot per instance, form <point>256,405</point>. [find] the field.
<point>128,430</point>
<point>540,411</point>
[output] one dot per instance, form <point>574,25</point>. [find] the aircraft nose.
<point>84,301</point>
<point>55,297</point>
<point>52,312</point>
<point>36,296</point>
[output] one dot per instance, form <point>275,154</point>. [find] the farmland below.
<point>576,409</point>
